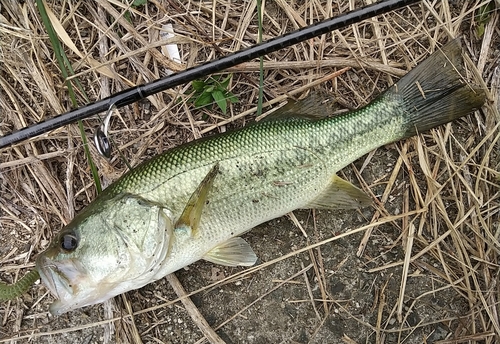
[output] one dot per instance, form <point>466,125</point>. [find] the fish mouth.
<point>61,280</point>
<point>53,278</point>
<point>67,281</point>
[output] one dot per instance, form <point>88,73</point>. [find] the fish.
<point>195,200</point>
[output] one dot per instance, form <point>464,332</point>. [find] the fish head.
<point>105,251</point>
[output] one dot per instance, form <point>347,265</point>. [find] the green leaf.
<point>232,98</point>
<point>220,100</point>
<point>203,99</point>
<point>198,85</point>
<point>127,16</point>
<point>480,30</point>
<point>225,83</point>
<point>483,16</point>
<point>138,3</point>
<point>261,61</point>
<point>213,89</point>
<point>214,79</point>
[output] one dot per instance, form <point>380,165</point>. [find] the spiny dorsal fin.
<point>232,252</point>
<point>191,215</point>
<point>340,194</point>
<point>317,105</point>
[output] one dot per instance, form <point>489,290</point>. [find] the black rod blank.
<point>139,92</point>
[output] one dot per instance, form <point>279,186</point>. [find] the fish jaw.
<point>66,280</point>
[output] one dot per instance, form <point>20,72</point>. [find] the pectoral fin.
<point>340,194</point>
<point>190,218</point>
<point>233,252</point>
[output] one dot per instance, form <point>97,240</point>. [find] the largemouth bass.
<point>196,200</point>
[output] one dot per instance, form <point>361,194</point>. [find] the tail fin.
<point>435,92</point>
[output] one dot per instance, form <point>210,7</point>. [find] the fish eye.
<point>69,242</point>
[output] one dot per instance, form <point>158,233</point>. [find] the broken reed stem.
<point>406,267</point>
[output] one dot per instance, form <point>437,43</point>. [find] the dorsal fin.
<point>317,105</point>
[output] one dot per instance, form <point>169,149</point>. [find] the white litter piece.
<point>169,50</point>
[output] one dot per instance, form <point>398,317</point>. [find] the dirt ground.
<point>419,266</point>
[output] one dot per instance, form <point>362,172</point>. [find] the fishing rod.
<point>136,93</point>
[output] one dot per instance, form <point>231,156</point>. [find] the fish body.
<point>195,200</point>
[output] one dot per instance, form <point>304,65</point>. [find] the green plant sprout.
<point>213,89</point>
<point>483,16</point>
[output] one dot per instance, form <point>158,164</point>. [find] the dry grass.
<point>440,196</point>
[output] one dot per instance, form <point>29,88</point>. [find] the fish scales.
<point>262,167</point>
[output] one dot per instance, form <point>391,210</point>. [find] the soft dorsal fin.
<point>340,194</point>
<point>317,105</point>
<point>232,252</point>
<point>191,215</point>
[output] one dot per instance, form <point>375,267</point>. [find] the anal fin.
<point>232,252</point>
<point>340,194</point>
